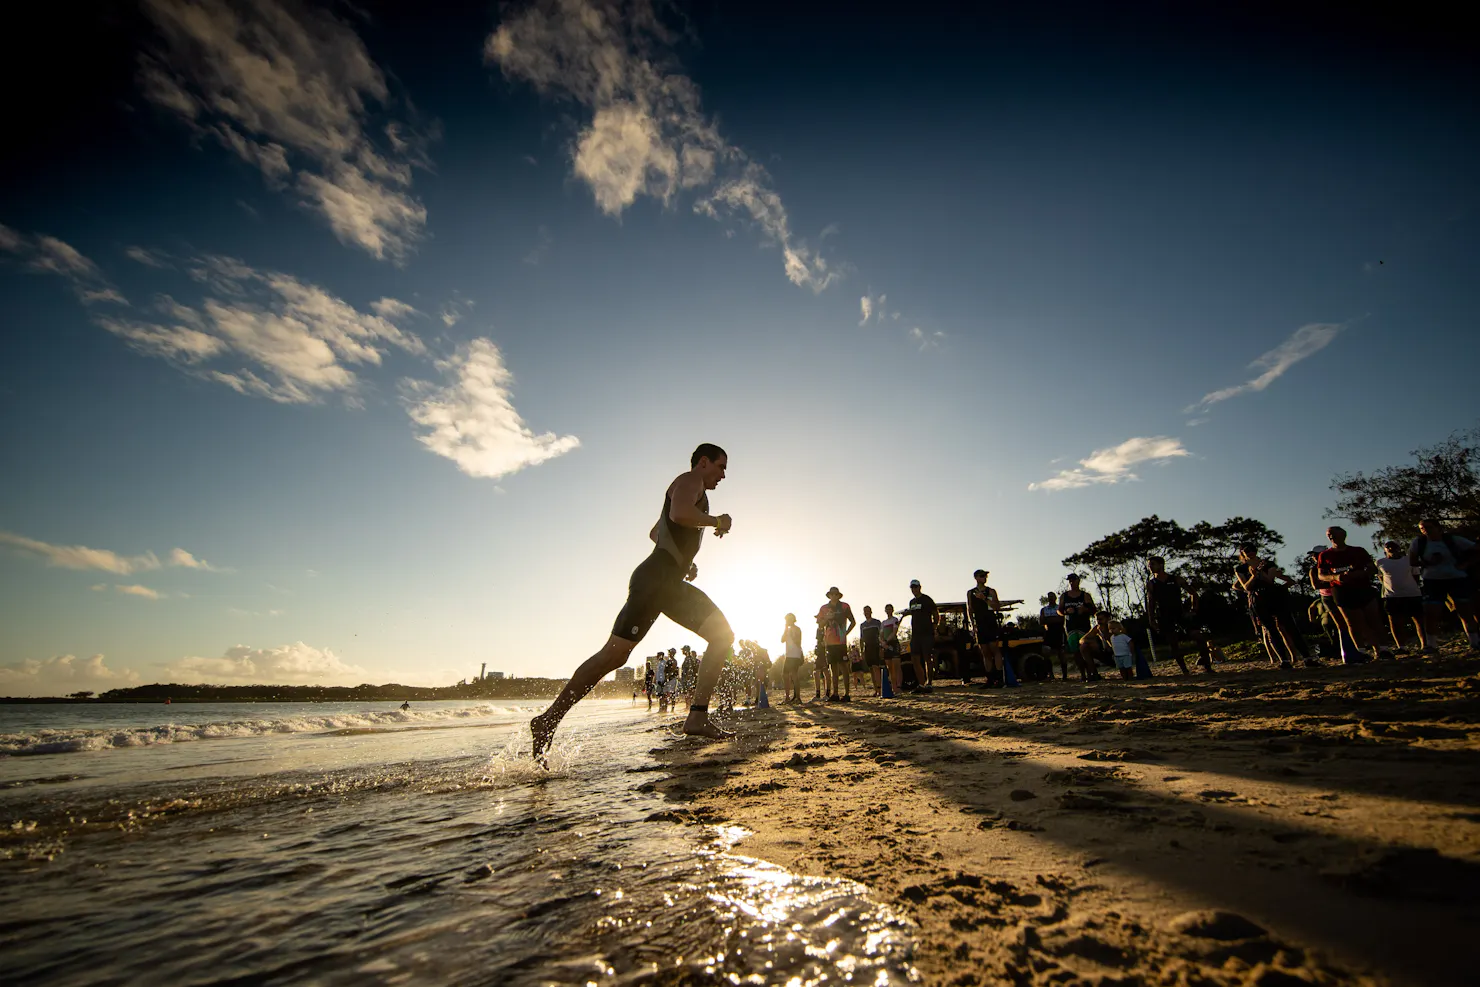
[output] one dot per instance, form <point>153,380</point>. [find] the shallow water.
<point>420,851</point>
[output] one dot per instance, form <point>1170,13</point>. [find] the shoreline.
<point>1277,828</point>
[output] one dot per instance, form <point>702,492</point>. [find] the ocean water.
<point>356,843</point>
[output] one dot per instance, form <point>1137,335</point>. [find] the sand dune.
<point>1253,827</point>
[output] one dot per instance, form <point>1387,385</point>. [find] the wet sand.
<point>1252,827</point>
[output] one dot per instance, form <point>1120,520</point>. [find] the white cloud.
<point>185,560</point>
<point>647,134</point>
<point>1303,342</point>
<point>289,89</point>
<point>137,590</point>
<point>42,254</point>
<point>1113,465</point>
<point>455,311</point>
<point>289,341</point>
<point>471,420</point>
<point>61,674</point>
<point>926,340</point>
<point>866,309</point>
<point>147,257</point>
<point>288,664</point>
<point>81,557</point>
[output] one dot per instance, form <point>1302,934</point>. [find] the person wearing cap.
<point>791,672</point>
<point>1078,608</point>
<point>868,637</point>
<point>837,622</point>
<point>1402,597</point>
<point>923,618</point>
<point>889,645</point>
<point>982,606</point>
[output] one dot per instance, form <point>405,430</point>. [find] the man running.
<point>662,584</point>
<point>837,622</point>
<point>923,618</point>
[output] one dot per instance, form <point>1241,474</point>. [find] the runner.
<point>1164,595</point>
<point>889,645</point>
<point>837,622</point>
<point>662,584</point>
<point>1078,607</point>
<point>981,606</point>
<point>1053,634</point>
<point>1444,557</point>
<point>791,636</point>
<point>1402,597</point>
<point>1266,584</point>
<point>1349,570</point>
<point>923,618</point>
<point>868,636</point>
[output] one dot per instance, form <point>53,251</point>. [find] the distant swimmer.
<point>405,705</point>
<point>662,584</point>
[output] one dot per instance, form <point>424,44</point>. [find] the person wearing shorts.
<point>868,637</point>
<point>662,584</point>
<point>1124,650</point>
<point>791,670</point>
<point>1348,570</point>
<point>889,645</point>
<point>836,622</point>
<point>1267,587</point>
<point>1402,596</point>
<point>923,618</point>
<point>1078,608</point>
<point>1053,633</point>
<point>982,604</point>
<point>1442,557</point>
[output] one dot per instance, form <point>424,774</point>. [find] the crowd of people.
<point>1361,602</point>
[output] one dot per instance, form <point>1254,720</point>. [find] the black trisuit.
<point>658,585</point>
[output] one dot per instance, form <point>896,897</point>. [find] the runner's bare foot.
<point>700,725</point>
<point>544,734</point>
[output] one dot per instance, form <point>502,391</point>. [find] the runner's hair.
<point>707,450</point>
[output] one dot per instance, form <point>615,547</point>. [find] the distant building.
<point>628,675</point>
<point>495,675</point>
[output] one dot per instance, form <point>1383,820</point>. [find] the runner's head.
<point>709,461</point>
<point>1246,552</point>
<point>889,610</point>
<point>672,652</point>
<point>1073,580</point>
<point>1116,627</point>
<point>915,585</point>
<point>981,576</point>
<point>1053,598</point>
<point>1156,564</point>
<point>1336,535</point>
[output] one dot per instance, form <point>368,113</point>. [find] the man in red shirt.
<point>836,620</point>
<point>1348,570</point>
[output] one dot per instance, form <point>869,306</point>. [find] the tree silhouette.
<point>1443,482</point>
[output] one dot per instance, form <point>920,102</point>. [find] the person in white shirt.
<point>1445,558</point>
<point>1402,598</point>
<point>1124,649</point>
<point>889,645</point>
<point>791,636</point>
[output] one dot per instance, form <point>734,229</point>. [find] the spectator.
<point>836,620</point>
<point>868,637</point>
<point>1349,570</point>
<point>791,675</point>
<point>1267,584</point>
<point>1053,634</point>
<point>1124,650</point>
<point>889,645</point>
<point>1094,645</point>
<point>1078,608</point>
<point>923,618</point>
<point>1402,598</point>
<point>1164,610</point>
<point>1444,559</point>
<point>981,606</point>
<point>819,664</point>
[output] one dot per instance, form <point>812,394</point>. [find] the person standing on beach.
<point>923,618</point>
<point>837,622</point>
<point>1266,585</point>
<point>1402,597</point>
<point>889,645</point>
<point>663,584</point>
<point>1078,608</point>
<point>1166,599</point>
<point>1053,633</point>
<point>647,681</point>
<point>1444,558</point>
<point>791,675</point>
<point>868,637</point>
<point>981,606</point>
<point>1349,569</point>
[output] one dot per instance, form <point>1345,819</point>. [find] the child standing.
<point>1124,648</point>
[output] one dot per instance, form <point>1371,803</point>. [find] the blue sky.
<point>349,345</point>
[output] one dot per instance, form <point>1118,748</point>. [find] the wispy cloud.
<point>136,590</point>
<point>289,89</point>
<point>1113,465</point>
<point>62,673</point>
<point>1303,342</point>
<point>42,254</point>
<point>647,134</point>
<point>101,559</point>
<point>147,257</point>
<point>268,334</point>
<point>926,340</point>
<point>471,419</point>
<point>541,249</point>
<point>455,311</point>
<point>288,664</point>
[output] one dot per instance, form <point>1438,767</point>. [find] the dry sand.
<point>1250,827</point>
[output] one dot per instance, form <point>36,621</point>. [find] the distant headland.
<point>523,688</point>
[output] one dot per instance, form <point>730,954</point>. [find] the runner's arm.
<point>684,509</point>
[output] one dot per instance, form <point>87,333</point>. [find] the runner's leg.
<point>717,634</point>
<point>610,658</point>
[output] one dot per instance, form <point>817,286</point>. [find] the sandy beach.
<point>1252,827</point>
